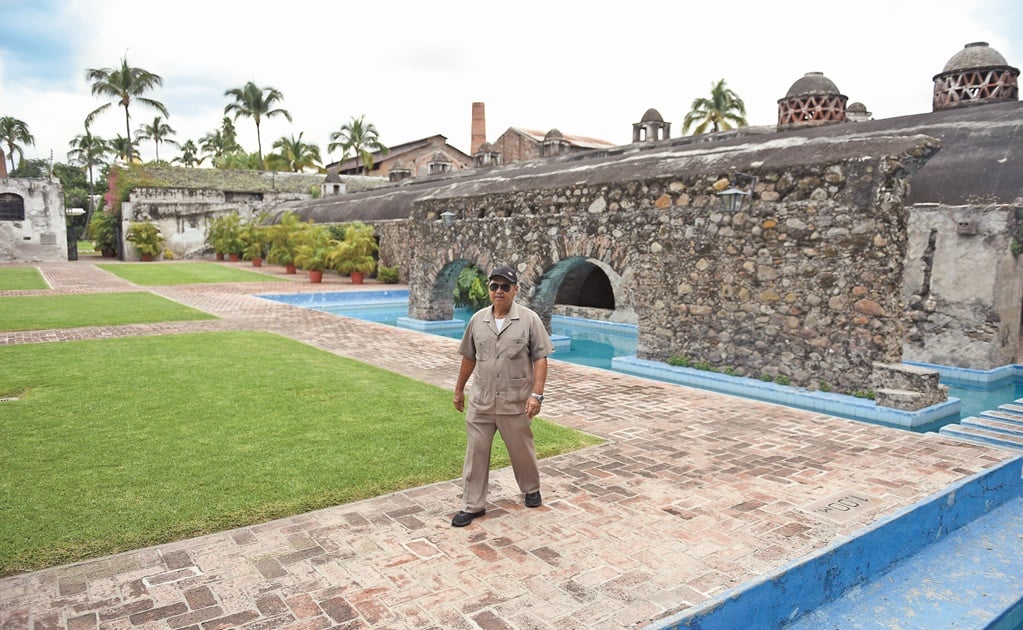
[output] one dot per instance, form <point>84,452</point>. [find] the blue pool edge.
<point>800,587</point>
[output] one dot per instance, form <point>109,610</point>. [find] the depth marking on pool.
<point>840,507</point>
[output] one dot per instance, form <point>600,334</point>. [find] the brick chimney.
<point>479,128</point>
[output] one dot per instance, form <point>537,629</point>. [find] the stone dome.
<point>486,147</point>
<point>652,115</point>
<point>856,108</point>
<point>975,55</point>
<point>976,75</point>
<point>554,134</point>
<point>812,83</point>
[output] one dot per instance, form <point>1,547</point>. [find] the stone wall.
<point>806,285</point>
<point>42,235</point>
<point>964,285</point>
<point>183,214</point>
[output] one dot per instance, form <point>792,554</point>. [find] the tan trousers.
<point>517,436</point>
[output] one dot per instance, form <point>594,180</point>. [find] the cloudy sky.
<point>414,68</point>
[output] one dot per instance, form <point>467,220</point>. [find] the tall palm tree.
<point>189,155</point>
<point>159,131</point>
<point>14,133</point>
<point>359,137</point>
<point>125,84</point>
<point>723,110</point>
<point>89,151</point>
<point>256,103</point>
<point>294,154</point>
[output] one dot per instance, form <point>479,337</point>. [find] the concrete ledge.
<point>966,375</point>
<point>834,404</point>
<point>781,597</point>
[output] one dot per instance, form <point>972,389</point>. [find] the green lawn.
<point>116,444</point>
<point>156,273</point>
<point>42,312</point>
<point>21,278</point>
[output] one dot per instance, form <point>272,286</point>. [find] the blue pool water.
<point>595,344</point>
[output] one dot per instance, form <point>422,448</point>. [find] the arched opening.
<point>588,286</point>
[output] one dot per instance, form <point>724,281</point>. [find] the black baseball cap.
<point>505,272</point>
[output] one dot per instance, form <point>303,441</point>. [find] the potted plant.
<point>313,248</point>
<point>253,237</point>
<point>103,232</point>
<point>146,238</point>
<point>283,241</point>
<point>355,254</point>
<point>223,235</point>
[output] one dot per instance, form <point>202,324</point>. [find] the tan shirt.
<point>503,377</point>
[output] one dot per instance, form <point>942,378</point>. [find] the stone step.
<point>1001,416</point>
<point>994,424</point>
<point>983,436</point>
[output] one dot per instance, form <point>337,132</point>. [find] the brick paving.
<point>693,493</point>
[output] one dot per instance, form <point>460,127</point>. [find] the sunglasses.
<point>502,286</point>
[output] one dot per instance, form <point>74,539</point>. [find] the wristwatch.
<point>538,397</point>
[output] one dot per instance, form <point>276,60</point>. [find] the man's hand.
<point>532,406</point>
<point>459,401</point>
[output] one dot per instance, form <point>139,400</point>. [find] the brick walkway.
<point>692,494</point>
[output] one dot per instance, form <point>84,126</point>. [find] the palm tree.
<point>125,84</point>
<point>159,131</point>
<point>89,151</point>
<point>125,149</point>
<point>359,137</point>
<point>13,133</point>
<point>220,142</point>
<point>721,110</point>
<point>294,154</point>
<point>189,155</point>
<point>256,103</point>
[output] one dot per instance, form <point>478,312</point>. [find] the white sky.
<point>414,68</point>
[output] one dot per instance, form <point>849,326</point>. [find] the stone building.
<point>418,158</point>
<point>866,243</point>
<point>32,221</point>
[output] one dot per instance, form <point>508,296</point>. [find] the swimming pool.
<point>612,346</point>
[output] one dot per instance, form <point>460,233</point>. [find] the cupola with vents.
<point>813,100</point>
<point>976,75</point>
<point>651,128</point>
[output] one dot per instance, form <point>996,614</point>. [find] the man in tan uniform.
<point>507,346</point>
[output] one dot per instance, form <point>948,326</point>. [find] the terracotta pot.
<point>357,277</point>
<point>257,262</point>
<point>290,269</point>
<point>315,277</point>
<point>147,257</point>
<point>220,255</point>
<point>233,257</point>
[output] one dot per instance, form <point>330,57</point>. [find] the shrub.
<point>388,275</point>
<point>471,288</point>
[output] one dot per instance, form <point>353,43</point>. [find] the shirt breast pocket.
<point>484,350</point>
<point>518,348</point>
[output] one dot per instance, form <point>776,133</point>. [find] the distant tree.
<point>256,103</point>
<point>125,84</point>
<point>125,149</point>
<point>190,157</point>
<point>14,133</point>
<point>722,111</point>
<point>294,155</point>
<point>360,138</point>
<point>239,161</point>
<point>159,132</point>
<point>219,142</point>
<point>89,151</point>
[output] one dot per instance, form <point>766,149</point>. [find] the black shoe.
<point>533,499</point>
<point>464,518</point>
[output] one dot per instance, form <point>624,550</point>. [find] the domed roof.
<point>857,107</point>
<point>975,55</point>
<point>486,147</point>
<point>812,83</point>
<point>652,115</point>
<point>554,134</point>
